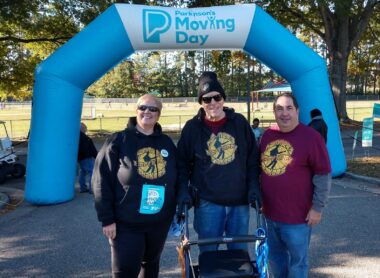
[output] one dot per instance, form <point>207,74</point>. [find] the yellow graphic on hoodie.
<point>221,148</point>
<point>150,163</point>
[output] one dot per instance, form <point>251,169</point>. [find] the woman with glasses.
<point>218,163</point>
<point>134,187</point>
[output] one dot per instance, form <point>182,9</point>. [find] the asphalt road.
<point>66,241</point>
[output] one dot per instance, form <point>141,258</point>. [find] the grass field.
<point>112,117</point>
<point>174,115</point>
<point>365,166</point>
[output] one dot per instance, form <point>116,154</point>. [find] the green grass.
<point>365,166</point>
<point>174,115</point>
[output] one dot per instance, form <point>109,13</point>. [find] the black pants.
<point>133,249</point>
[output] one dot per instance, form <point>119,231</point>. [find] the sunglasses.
<point>209,99</point>
<point>150,108</point>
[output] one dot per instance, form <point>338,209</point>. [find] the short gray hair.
<point>156,100</point>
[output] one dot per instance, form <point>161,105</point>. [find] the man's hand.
<point>313,217</point>
<point>110,231</point>
<point>183,198</point>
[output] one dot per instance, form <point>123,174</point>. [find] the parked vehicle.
<point>8,159</point>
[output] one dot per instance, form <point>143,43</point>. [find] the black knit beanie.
<point>208,82</point>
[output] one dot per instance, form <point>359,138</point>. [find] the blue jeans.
<point>85,174</point>
<point>212,220</point>
<point>288,249</point>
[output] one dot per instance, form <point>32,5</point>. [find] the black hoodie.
<point>223,167</point>
<point>127,161</point>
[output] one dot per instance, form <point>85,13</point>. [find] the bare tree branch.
<point>21,40</point>
<point>301,16</point>
<point>357,30</point>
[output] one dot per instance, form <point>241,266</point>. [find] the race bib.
<point>152,199</point>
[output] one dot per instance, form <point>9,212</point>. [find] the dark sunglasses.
<point>150,108</point>
<point>209,99</point>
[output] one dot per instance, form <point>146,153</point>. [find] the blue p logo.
<point>155,22</point>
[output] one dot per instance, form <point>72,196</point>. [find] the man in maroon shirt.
<point>295,181</point>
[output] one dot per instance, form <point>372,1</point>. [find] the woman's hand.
<point>110,231</point>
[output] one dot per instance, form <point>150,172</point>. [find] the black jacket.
<point>86,147</point>
<point>224,168</point>
<point>127,161</point>
<point>319,125</point>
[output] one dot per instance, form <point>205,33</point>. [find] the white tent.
<point>269,87</point>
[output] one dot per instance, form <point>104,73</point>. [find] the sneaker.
<point>83,191</point>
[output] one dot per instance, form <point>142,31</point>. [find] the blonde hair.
<point>149,96</point>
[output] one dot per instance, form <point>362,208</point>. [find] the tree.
<point>340,24</point>
<point>31,30</point>
<point>364,64</point>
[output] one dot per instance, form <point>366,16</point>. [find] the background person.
<point>318,123</point>
<point>219,158</point>
<point>257,131</point>
<point>134,186</point>
<point>86,158</point>
<point>295,182</point>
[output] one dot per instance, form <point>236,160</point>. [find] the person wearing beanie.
<point>218,166</point>
<point>208,82</point>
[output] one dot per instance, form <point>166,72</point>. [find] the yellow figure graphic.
<point>221,148</point>
<point>276,157</point>
<point>150,163</point>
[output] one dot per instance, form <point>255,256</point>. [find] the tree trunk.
<point>193,78</point>
<point>186,77</point>
<point>260,85</point>
<point>232,77</point>
<point>204,60</point>
<point>343,30</point>
<point>338,83</point>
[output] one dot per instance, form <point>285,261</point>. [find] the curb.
<point>371,180</point>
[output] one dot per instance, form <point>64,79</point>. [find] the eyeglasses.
<point>150,108</point>
<point>208,100</point>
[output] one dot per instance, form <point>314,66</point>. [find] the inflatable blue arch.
<point>60,81</point>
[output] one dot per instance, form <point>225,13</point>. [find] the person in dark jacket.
<point>318,123</point>
<point>134,187</point>
<point>218,159</point>
<point>86,158</point>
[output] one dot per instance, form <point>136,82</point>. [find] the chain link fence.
<point>110,115</point>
